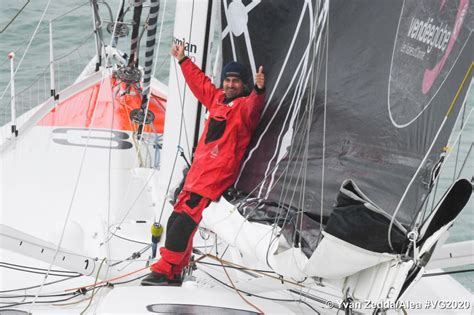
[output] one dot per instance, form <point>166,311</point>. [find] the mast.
<point>147,116</point>
<point>137,12</point>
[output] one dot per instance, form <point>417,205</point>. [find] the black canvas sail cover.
<point>356,90</point>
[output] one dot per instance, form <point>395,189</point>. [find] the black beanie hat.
<point>234,69</point>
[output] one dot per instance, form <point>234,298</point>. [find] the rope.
<point>76,185</point>
<point>93,290</point>
<point>16,15</point>
<point>220,260</point>
<point>27,48</point>
<point>392,221</point>
<point>238,292</point>
<point>324,129</point>
<point>106,281</point>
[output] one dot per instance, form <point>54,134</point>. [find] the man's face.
<point>233,87</point>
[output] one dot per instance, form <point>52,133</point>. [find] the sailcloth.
<point>359,91</point>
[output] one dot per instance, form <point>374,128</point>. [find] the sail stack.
<point>361,100</point>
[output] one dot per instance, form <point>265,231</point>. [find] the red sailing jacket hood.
<point>227,133</point>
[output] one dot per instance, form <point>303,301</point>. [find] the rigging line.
<point>107,280</point>
<point>70,11</point>
<point>134,201</point>
<point>260,296</point>
<point>159,40</point>
<point>39,302</point>
<point>302,70</point>
<point>447,157</point>
<point>238,292</point>
<point>310,104</point>
<point>16,15</point>
<point>229,263</point>
<point>109,171</point>
<point>242,268</point>
<point>295,157</point>
<point>298,178</point>
<point>293,110</point>
<point>36,286</point>
<point>110,10</point>
<point>182,125</point>
<point>315,75</point>
<point>284,189</point>
<point>40,269</point>
<point>291,153</point>
<point>36,272</point>
<point>76,302</point>
<point>128,239</point>
<point>305,131</point>
<point>76,185</point>
<point>465,160</point>
<point>27,48</point>
<point>46,68</point>
<point>190,153</point>
<point>24,296</point>
<point>459,146</point>
<point>95,282</point>
<point>392,221</point>
<point>257,144</point>
<point>299,86</point>
<point>108,237</point>
<point>323,162</point>
<point>112,95</point>
<point>446,273</point>
<point>437,179</point>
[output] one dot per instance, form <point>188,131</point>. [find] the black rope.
<point>16,15</point>
<point>42,269</point>
<point>35,272</point>
<point>41,302</point>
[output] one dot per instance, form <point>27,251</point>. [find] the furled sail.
<point>358,90</point>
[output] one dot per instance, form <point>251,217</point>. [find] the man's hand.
<point>260,78</point>
<point>177,51</point>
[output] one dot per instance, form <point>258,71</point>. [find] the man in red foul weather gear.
<point>233,117</point>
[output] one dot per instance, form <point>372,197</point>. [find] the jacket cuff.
<point>259,91</point>
<point>183,60</point>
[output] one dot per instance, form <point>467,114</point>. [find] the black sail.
<point>363,89</point>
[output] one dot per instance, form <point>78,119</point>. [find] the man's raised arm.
<point>198,82</point>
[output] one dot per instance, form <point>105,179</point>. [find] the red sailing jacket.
<point>227,133</point>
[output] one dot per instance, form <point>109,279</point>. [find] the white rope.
<point>71,203</point>
<point>105,74</point>
<point>323,162</point>
<point>27,48</point>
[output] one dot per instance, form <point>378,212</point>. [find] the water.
<point>75,29</point>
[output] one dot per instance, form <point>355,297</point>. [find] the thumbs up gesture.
<point>260,78</point>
